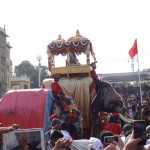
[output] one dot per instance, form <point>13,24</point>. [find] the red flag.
<point>134,50</point>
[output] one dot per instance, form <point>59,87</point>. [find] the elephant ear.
<point>109,96</point>
<point>106,84</point>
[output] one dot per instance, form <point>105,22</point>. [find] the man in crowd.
<point>56,124</point>
<point>6,130</point>
<point>114,126</point>
<point>64,130</point>
<point>56,88</point>
<point>55,135</point>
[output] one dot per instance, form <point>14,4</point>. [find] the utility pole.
<point>39,57</point>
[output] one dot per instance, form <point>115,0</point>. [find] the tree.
<point>26,68</point>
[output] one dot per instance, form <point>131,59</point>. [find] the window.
<point>3,75</point>
<point>25,86</point>
<point>3,60</point>
<point>2,41</point>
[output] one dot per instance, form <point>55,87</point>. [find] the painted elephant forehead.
<point>110,95</point>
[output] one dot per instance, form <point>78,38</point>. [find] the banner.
<point>134,50</point>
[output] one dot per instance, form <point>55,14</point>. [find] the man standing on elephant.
<point>93,72</point>
<point>56,88</point>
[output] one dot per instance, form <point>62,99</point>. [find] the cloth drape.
<point>79,90</point>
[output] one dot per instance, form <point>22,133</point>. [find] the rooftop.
<point>125,77</point>
<point>3,31</point>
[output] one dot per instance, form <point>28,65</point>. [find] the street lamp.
<point>39,57</point>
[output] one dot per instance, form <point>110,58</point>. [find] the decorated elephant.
<point>80,81</point>
<point>91,98</point>
<point>65,110</point>
<point>105,100</point>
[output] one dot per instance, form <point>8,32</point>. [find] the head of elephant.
<point>106,96</point>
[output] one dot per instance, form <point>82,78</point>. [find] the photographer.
<point>132,143</point>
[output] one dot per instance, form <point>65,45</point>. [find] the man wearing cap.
<point>56,88</point>
<point>96,144</point>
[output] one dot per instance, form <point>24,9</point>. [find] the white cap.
<point>96,143</point>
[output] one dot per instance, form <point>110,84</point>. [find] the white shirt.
<point>66,135</point>
<point>123,138</point>
<point>147,144</point>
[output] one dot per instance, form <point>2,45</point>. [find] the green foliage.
<point>26,68</point>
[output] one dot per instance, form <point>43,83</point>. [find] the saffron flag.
<point>134,50</point>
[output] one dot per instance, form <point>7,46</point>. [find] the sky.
<point>111,26</point>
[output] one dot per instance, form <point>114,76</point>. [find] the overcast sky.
<point>111,26</point>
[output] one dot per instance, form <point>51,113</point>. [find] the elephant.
<point>90,98</point>
<point>106,100</point>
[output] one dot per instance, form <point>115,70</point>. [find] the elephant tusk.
<point>125,119</point>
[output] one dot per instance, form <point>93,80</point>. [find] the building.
<point>126,77</point>
<point>7,81</point>
<point>5,63</point>
<point>22,82</point>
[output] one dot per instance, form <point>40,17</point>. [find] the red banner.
<point>134,50</point>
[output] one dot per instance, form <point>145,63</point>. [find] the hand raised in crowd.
<point>132,142</point>
<point>15,126</point>
<point>62,143</point>
<point>8,128</point>
<point>120,143</point>
<point>110,147</point>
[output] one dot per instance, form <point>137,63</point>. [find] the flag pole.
<point>139,77</point>
<point>132,64</point>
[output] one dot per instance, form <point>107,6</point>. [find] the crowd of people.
<point>110,126</point>
<point>115,133</point>
<point>125,135</point>
<point>60,138</point>
<point>138,106</point>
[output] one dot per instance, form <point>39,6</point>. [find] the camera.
<point>110,139</point>
<point>140,131</point>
